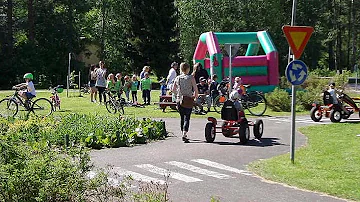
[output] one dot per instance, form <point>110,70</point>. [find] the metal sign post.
<point>356,79</point>
<point>68,77</point>
<point>232,49</point>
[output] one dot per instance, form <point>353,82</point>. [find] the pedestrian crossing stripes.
<point>136,176</point>
<point>179,167</point>
<point>220,166</point>
<point>165,172</point>
<point>199,170</point>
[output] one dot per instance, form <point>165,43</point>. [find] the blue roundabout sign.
<point>296,72</point>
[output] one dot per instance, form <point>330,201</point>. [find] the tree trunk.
<point>9,42</point>
<point>31,20</point>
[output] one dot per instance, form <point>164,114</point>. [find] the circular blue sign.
<point>296,72</point>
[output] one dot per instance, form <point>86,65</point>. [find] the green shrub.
<point>89,130</point>
<point>37,172</point>
<point>279,100</point>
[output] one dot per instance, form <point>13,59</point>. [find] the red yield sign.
<point>297,37</point>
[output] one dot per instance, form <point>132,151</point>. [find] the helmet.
<point>234,95</point>
<point>59,90</point>
<point>28,76</point>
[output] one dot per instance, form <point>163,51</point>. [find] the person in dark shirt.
<point>213,87</point>
<point>204,94</point>
<point>198,72</point>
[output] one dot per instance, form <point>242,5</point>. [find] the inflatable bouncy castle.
<point>260,71</point>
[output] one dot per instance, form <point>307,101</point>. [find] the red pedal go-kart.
<point>335,112</point>
<point>233,123</point>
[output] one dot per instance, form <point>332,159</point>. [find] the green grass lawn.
<point>330,162</point>
<point>76,104</point>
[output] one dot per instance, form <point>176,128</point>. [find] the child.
<point>110,84</point>
<point>134,88</point>
<point>204,96</point>
<point>239,86</point>
<point>213,87</point>
<point>146,87</point>
<point>127,87</point>
<point>118,85</point>
<point>163,87</point>
<point>30,89</point>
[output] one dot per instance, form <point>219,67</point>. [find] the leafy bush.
<point>37,172</point>
<point>34,166</point>
<point>279,100</point>
<point>89,130</point>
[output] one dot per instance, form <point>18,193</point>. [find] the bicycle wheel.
<point>219,102</point>
<point>42,107</point>
<point>256,104</point>
<point>110,106</point>
<point>8,108</point>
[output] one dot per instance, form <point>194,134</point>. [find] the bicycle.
<point>253,101</point>
<point>113,105</point>
<point>9,107</point>
<point>55,99</point>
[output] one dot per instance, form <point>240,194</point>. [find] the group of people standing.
<point>100,81</point>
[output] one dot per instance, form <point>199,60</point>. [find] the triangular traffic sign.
<point>297,37</point>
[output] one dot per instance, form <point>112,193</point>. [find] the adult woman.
<point>184,86</point>
<point>198,72</point>
<point>92,82</point>
<point>142,73</point>
<point>101,81</point>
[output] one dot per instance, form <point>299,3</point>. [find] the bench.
<point>163,105</point>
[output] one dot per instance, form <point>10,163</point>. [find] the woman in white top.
<point>101,81</point>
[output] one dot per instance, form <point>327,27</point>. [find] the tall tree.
<point>152,35</point>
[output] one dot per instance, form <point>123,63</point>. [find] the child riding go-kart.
<point>336,108</point>
<point>234,122</point>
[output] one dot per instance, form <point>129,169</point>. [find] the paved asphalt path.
<point>203,170</point>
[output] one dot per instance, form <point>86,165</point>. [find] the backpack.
<point>229,111</point>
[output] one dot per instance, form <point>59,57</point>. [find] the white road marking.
<point>165,172</point>
<point>221,166</point>
<point>199,170</point>
<point>137,176</point>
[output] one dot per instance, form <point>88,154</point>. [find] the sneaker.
<point>185,139</point>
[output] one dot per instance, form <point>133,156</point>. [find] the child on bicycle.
<point>110,84</point>
<point>118,85</point>
<point>29,85</point>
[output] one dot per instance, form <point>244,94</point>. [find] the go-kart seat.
<point>229,112</point>
<point>327,98</point>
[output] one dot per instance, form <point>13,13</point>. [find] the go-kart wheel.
<point>210,132</point>
<point>335,115</point>
<point>258,128</point>
<point>244,132</point>
<point>226,132</point>
<point>315,114</point>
